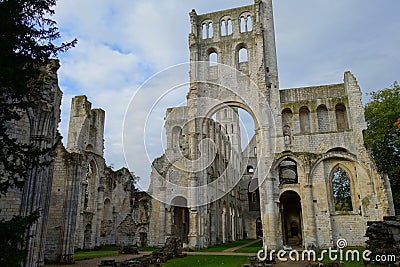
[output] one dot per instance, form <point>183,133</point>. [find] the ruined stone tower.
<point>284,186</point>
<point>86,127</point>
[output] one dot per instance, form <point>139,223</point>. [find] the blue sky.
<point>123,43</point>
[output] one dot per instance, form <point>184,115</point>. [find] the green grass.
<point>85,255</point>
<point>148,249</point>
<point>254,248</point>
<point>209,261</point>
<point>109,248</point>
<point>222,247</point>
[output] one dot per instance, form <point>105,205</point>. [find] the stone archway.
<point>291,218</point>
<point>180,227</point>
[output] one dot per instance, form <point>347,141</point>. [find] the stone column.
<point>169,221</point>
<point>310,226</point>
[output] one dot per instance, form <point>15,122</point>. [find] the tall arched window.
<point>204,31</point>
<point>213,58</point>
<point>242,25</point>
<point>210,30</point>
<point>249,24</point>
<point>323,120</point>
<point>243,57</point>
<point>223,28</point>
<point>229,26</point>
<point>207,29</point>
<point>341,117</point>
<point>89,185</point>
<point>341,190</point>
<point>304,117</point>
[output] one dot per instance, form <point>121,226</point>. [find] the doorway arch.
<point>291,218</point>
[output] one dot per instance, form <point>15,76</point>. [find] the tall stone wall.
<point>305,141</point>
<point>91,204</point>
<point>38,127</point>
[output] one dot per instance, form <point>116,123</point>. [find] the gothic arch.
<point>349,175</point>
<point>332,155</point>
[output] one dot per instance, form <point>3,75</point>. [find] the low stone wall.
<point>384,238</point>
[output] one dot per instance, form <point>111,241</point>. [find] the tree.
<point>26,44</point>
<point>341,190</point>
<point>382,136</point>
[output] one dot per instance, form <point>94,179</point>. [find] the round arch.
<point>332,155</point>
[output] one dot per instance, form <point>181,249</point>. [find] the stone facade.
<point>304,179</point>
<point>38,126</point>
<point>91,204</point>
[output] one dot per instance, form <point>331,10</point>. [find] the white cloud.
<point>122,43</point>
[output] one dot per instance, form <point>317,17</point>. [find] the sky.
<point>127,47</point>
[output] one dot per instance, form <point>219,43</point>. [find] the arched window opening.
<point>249,23</point>
<point>288,172</point>
<point>229,27</point>
<point>323,120</point>
<point>304,117</point>
<point>242,25</point>
<point>223,28</point>
<point>213,59</point>
<point>243,56</point>
<point>254,200</point>
<point>341,117</point>
<point>204,31</point>
<point>89,185</point>
<point>210,30</point>
<point>341,190</point>
<point>250,169</point>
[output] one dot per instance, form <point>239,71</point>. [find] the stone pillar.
<point>99,215</point>
<point>162,226</point>
<point>169,221</point>
<point>309,223</point>
<point>223,224</point>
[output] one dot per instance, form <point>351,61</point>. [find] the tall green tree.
<point>382,136</point>
<point>27,36</point>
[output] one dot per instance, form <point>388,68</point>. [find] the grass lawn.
<point>148,249</point>
<point>222,247</point>
<point>109,248</point>
<point>84,255</point>
<point>209,261</point>
<point>251,249</point>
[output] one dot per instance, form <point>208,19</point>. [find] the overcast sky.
<point>123,43</point>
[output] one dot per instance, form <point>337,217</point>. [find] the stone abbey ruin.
<point>305,178</point>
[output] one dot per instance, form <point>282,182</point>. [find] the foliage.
<point>26,45</point>
<point>341,190</point>
<point>12,236</point>
<point>383,135</point>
